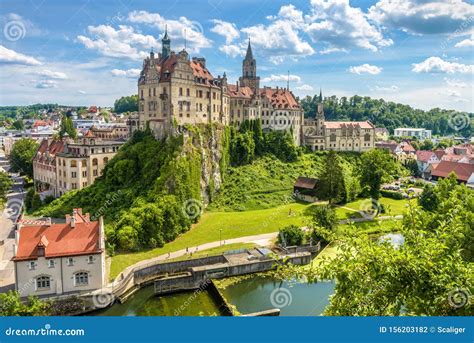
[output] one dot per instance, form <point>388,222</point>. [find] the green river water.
<point>249,295</point>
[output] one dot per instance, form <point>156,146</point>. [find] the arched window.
<point>94,162</point>
<point>106,159</point>
<point>43,282</point>
<point>64,163</point>
<point>81,279</point>
<point>73,163</point>
<point>84,163</point>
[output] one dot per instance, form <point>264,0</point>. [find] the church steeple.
<point>166,44</point>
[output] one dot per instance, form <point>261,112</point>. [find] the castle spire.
<point>249,54</point>
<point>320,95</point>
<point>166,44</point>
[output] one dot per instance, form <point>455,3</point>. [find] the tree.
<point>5,184</point>
<point>22,155</point>
<point>428,198</point>
<point>126,104</point>
<point>325,216</point>
<point>11,305</point>
<point>412,166</point>
<point>242,148</point>
<point>18,125</point>
<point>426,145</point>
<point>331,185</point>
<point>376,167</point>
<point>290,235</point>
<point>67,127</point>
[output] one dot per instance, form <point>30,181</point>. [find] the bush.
<point>392,194</point>
<point>325,217</point>
<point>290,235</point>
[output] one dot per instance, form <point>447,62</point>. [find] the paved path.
<point>7,232</point>
<point>262,240</point>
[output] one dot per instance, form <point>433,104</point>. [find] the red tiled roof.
<point>59,239</point>
<point>53,147</point>
<point>424,155</point>
<point>353,124</point>
<point>280,98</point>
<point>239,92</point>
<point>444,168</point>
<point>40,123</point>
<point>407,147</point>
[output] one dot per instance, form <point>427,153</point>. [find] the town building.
<point>423,159</point>
<point>464,171</point>
<point>52,259</point>
<point>306,188</point>
<point>320,134</point>
<point>381,134</point>
<point>116,131</point>
<point>44,167</point>
<point>83,161</point>
<point>420,134</point>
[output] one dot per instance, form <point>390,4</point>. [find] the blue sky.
<point>82,52</point>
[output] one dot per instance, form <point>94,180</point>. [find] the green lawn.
<point>393,207</point>
<point>247,223</point>
<point>232,224</point>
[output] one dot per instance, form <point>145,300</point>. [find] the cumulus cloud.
<point>132,73</point>
<point>365,69</point>
<point>13,57</point>
<point>438,65</point>
<point>80,91</point>
<point>421,16</point>
<point>52,74</point>
<point>233,50</point>
<point>281,78</point>
<point>342,26</point>
<point>225,29</point>
<point>466,43</point>
<point>177,29</point>
<point>123,42</point>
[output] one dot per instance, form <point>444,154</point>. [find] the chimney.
<point>73,218</point>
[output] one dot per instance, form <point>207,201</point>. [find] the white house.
<point>53,259</point>
<point>412,132</point>
<point>424,158</point>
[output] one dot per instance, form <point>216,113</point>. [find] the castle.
<point>174,89</point>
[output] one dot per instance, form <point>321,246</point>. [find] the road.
<point>7,233</point>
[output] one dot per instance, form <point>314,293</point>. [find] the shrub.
<point>291,235</point>
<point>392,194</point>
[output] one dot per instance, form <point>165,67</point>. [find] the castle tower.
<point>166,45</point>
<point>320,115</point>
<point>249,71</point>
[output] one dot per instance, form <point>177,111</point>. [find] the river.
<point>248,295</point>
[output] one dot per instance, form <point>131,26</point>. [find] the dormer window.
<point>41,251</point>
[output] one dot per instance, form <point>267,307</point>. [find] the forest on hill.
<point>390,114</point>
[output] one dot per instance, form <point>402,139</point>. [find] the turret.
<point>166,45</point>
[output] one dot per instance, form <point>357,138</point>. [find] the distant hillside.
<point>391,115</point>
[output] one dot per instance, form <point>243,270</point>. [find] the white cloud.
<point>438,65</point>
<point>80,91</point>
<point>455,83</point>
<point>123,42</point>
<point>305,87</point>
<point>226,29</point>
<point>466,43</point>
<point>453,93</point>
<point>365,69</point>
<point>13,57</point>
<point>233,50</point>
<point>342,26</point>
<point>281,78</point>
<point>331,50</point>
<point>177,29</point>
<point>132,73</point>
<point>45,84</point>
<point>52,74</point>
<point>389,89</point>
<point>423,17</point>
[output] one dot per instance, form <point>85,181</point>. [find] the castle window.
<point>94,162</point>
<point>149,91</point>
<point>141,94</point>
<point>180,91</point>
<point>188,106</point>
<point>332,137</point>
<point>187,91</point>
<point>366,137</point>
<point>154,91</point>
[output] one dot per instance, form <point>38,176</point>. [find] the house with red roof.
<point>425,158</point>
<point>60,258</point>
<point>464,171</point>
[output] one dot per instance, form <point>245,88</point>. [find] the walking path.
<point>262,240</point>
